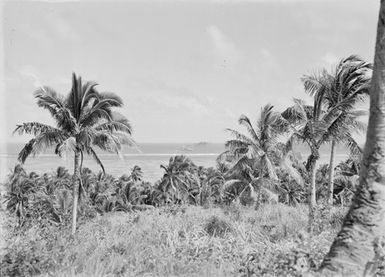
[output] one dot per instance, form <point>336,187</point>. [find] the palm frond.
<point>287,164</point>
<point>241,137</point>
<point>316,83</point>
<point>269,167</point>
<point>34,128</point>
<point>68,145</point>
<point>54,103</point>
<point>245,121</point>
<point>112,99</point>
<point>353,146</point>
<point>92,152</point>
<point>296,113</point>
<point>26,151</point>
<point>40,142</point>
<point>88,92</point>
<point>93,115</point>
<point>118,123</point>
<point>229,183</point>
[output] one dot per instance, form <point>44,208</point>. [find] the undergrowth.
<point>176,241</point>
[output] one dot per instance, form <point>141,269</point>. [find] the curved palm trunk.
<point>353,249</point>
<point>331,174</point>
<point>75,191</point>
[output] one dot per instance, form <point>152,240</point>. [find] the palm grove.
<point>259,165</point>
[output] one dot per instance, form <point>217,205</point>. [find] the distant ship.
<point>186,148</point>
<point>191,147</point>
<point>202,143</point>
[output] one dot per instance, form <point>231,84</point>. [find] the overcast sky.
<point>185,70</point>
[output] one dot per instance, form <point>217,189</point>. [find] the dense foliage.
<point>30,196</point>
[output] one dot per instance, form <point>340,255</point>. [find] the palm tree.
<point>341,89</point>
<point>315,125</point>
<point>309,125</point>
<point>177,177</point>
<point>252,155</point>
<point>303,125</point>
<point>84,119</point>
<point>354,249</point>
<point>212,186</point>
<point>136,174</point>
<point>17,198</point>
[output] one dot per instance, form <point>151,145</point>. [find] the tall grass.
<point>175,241</point>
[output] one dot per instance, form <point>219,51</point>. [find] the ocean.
<point>149,157</point>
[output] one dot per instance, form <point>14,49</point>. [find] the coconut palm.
<point>251,156</point>
<point>310,125</point>
<point>84,119</point>
<point>136,174</point>
<point>341,89</point>
<point>213,184</point>
<point>355,247</point>
<point>315,125</point>
<point>304,123</point>
<point>17,198</point>
<point>177,177</point>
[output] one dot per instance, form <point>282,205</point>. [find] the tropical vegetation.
<point>196,220</point>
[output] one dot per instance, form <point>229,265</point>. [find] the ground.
<point>179,241</point>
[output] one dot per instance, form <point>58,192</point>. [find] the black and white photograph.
<point>187,138</point>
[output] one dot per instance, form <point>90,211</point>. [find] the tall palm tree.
<point>313,126</point>
<point>316,125</point>
<point>303,123</point>
<point>354,248</point>
<point>84,119</point>
<point>252,154</point>
<point>341,89</point>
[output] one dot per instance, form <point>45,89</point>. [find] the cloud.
<point>223,45</point>
<point>32,73</point>
<point>269,60</point>
<point>329,59</point>
<point>61,27</point>
<point>37,34</point>
<point>167,99</point>
<point>55,27</point>
<point>181,100</point>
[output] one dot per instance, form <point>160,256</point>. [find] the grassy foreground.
<point>177,241</point>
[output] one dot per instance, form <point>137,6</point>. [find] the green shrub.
<point>216,226</point>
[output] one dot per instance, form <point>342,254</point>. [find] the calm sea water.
<point>149,158</point>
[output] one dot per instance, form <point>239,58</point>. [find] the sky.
<point>186,70</point>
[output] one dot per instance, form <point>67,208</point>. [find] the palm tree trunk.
<point>75,191</point>
<point>353,250</point>
<point>259,191</point>
<point>331,174</point>
<point>312,168</point>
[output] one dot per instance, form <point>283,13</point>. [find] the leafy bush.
<point>216,226</point>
